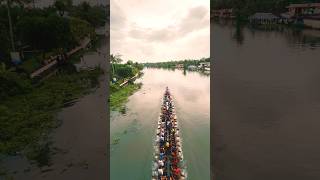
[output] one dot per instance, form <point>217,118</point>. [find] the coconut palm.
<point>8,3</point>
<point>115,59</point>
<point>62,6</point>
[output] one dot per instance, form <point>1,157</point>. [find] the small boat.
<point>168,161</point>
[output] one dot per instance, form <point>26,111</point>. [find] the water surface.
<point>266,103</point>
<point>136,129</point>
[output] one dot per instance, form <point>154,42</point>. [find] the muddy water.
<point>266,103</point>
<point>131,157</point>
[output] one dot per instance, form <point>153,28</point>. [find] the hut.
<point>263,18</point>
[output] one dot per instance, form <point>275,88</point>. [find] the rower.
<point>160,171</point>
<point>177,172</point>
<point>161,155</point>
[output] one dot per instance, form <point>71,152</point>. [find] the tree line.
<point>123,70</point>
<point>60,25</point>
<point>172,64</point>
<point>245,8</point>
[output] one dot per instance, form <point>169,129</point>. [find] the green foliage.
<point>138,66</point>
<point>28,114</point>
<point>45,33</point>
<point>172,64</point>
<point>80,29</point>
<point>130,62</point>
<point>119,96</point>
<point>4,43</point>
<point>30,65</point>
<point>95,15</point>
<point>124,71</point>
<point>116,59</point>
<point>12,84</point>
<point>62,6</point>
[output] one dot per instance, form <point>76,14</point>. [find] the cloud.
<point>166,31</point>
<point>118,18</point>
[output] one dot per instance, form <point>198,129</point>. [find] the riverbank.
<point>66,107</point>
<point>119,95</point>
<point>122,83</point>
<point>27,119</point>
<point>29,110</point>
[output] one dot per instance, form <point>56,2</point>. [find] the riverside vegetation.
<point>28,107</point>
<point>172,64</point>
<point>120,73</point>
<point>244,8</point>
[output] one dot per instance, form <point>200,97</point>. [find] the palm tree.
<point>21,2</point>
<point>62,6</point>
<point>115,59</point>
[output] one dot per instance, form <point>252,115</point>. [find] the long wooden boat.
<point>168,158</point>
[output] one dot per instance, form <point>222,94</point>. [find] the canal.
<point>267,103</point>
<point>134,131</point>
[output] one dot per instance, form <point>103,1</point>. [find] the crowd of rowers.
<point>167,165</point>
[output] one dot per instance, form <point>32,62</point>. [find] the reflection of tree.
<point>293,35</point>
<point>238,35</point>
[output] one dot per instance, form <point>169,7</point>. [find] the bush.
<point>125,72</point>
<point>80,29</point>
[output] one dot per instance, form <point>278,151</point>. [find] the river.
<point>132,157</point>
<point>266,103</point>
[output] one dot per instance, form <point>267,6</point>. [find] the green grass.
<point>119,96</point>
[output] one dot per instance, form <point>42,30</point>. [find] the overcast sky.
<point>160,30</point>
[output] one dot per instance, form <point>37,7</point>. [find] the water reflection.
<point>294,35</point>
<point>267,95</point>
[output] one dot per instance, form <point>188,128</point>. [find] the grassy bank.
<point>119,96</point>
<point>28,116</point>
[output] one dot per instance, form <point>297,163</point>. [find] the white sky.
<point>160,30</point>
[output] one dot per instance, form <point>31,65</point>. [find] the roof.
<point>263,16</point>
<point>305,5</point>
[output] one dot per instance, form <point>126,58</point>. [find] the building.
<point>179,66</point>
<point>303,9</point>
<point>263,18</point>
<point>204,65</point>
<point>192,68</point>
<point>223,13</point>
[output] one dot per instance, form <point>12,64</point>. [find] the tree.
<point>62,6</point>
<point>115,59</point>
<point>45,33</point>
<point>95,15</point>
<point>125,71</point>
<point>80,29</point>
<point>5,43</point>
<point>8,3</point>
<point>129,62</point>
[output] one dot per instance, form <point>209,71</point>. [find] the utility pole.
<point>10,26</point>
